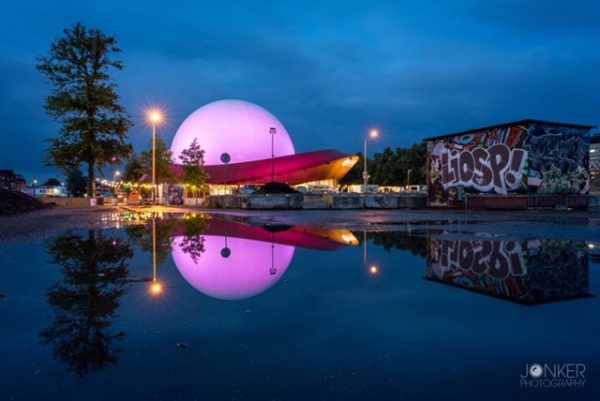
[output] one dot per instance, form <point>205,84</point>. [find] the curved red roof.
<point>292,169</point>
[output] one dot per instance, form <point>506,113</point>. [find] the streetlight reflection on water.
<point>156,287</point>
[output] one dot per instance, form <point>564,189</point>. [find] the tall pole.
<point>153,163</point>
<point>272,131</point>
<point>365,174</point>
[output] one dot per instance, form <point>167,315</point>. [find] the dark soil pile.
<point>276,188</point>
<point>12,202</point>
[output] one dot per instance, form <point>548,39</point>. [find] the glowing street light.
<point>373,270</point>
<point>154,117</point>
<point>372,134</point>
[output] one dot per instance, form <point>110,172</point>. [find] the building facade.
<point>12,181</point>
<point>527,157</point>
<point>595,164</point>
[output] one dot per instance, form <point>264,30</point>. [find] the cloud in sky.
<point>327,70</point>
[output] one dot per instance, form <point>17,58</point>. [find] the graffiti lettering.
<point>498,259</point>
<point>497,168</point>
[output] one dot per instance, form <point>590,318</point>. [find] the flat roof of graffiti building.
<point>519,122</point>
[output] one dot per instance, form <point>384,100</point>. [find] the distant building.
<point>513,165</point>
<point>12,181</point>
<point>39,191</point>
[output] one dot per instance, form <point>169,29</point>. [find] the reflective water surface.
<point>198,307</point>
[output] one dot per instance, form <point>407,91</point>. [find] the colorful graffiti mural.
<point>529,272</point>
<point>520,158</point>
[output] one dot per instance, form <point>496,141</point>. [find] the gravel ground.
<point>45,223</point>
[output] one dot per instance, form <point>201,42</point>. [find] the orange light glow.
<point>156,288</point>
<point>155,116</point>
<point>373,269</point>
<point>374,133</point>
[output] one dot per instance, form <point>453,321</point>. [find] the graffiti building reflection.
<point>528,272</point>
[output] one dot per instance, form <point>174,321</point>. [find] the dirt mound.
<point>276,188</point>
<point>12,202</point>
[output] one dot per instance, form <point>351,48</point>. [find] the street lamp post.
<point>155,118</point>
<point>408,177</point>
<point>34,184</point>
<point>115,177</point>
<point>272,132</point>
<point>372,134</point>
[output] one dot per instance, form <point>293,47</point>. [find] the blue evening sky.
<point>329,70</point>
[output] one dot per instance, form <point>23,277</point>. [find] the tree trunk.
<point>91,180</point>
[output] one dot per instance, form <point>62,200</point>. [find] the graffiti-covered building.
<point>595,163</point>
<point>513,165</point>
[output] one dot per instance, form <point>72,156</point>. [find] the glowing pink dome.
<point>232,126</point>
<point>246,272</point>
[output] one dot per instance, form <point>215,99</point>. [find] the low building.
<point>12,181</point>
<point>513,166</point>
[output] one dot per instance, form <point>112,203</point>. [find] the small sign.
<point>225,158</point>
<point>272,131</point>
<point>225,252</point>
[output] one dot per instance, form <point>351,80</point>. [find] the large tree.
<point>76,183</point>
<point>164,171</point>
<point>400,167</point>
<point>193,168</point>
<point>84,101</point>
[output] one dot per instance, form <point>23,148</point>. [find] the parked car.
<point>246,190</point>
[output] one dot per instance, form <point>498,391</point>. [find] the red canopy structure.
<point>292,169</point>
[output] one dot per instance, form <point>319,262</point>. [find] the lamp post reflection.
<point>272,270</point>
<point>156,287</point>
<point>373,269</point>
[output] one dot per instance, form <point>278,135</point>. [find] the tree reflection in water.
<point>85,301</point>
<point>159,241</point>
<point>193,240</point>
<point>400,240</point>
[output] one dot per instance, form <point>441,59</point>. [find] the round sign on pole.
<point>225,158</point>
<point>225,252</point>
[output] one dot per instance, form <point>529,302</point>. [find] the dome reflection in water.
<point>251,267</point>
<point>239,261</point>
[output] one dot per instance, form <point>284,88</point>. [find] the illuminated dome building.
<point>244,131</point>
